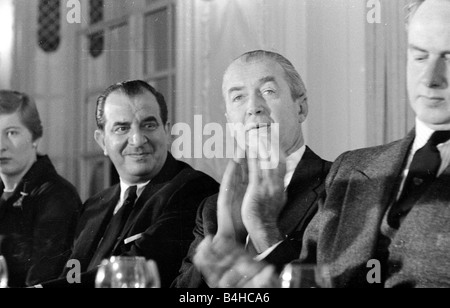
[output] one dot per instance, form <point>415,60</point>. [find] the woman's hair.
<point>13,101</point>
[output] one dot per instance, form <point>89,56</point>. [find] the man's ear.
<point>303,108</point>
<point>168,130</point>
<point>99,136</point>
<point>35,143</point>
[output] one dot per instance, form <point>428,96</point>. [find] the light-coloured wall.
<point>7,37</point>
<point>336,75</point>
<point>51,79</point>
<point>325,40</point>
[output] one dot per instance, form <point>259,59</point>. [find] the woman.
<point>38,208</point>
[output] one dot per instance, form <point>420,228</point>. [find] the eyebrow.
<point>121,123</point>
<point>261,81</point>
<point>267,79</point>
<point>411,46</point>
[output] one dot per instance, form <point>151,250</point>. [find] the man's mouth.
<point>138,155</point>
<point>433,99</point>
<point>256,126</point>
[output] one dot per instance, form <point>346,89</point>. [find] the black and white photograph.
<point>208,147</point>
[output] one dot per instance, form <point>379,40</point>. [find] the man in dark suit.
<point>385,219</point>
<point>261,89</point>
<point>151,213</point>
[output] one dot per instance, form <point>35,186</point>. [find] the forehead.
<point>9,120</point>
<point>430,26</point>
<point>241,73</point>
<point>120,107</point>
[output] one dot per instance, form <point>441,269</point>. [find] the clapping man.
<point>262,208</point>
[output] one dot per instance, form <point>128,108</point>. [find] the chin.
<point>436,121</point>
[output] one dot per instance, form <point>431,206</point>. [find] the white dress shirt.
<point>423,134</point>
<point>123,189</point>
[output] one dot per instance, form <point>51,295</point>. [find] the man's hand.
<point>231,195</point>
<point>265,197</point>
<point>226,265</point>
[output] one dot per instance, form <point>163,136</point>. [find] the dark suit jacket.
<point>359,189</point>
<point>304,190</point>
<point>164,214</point>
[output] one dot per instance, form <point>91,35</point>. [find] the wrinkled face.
<point>17,151</point>
<point>134,136</point>
<point>258,95</point>
<point>429,64</point>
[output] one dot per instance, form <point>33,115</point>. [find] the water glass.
<point>297,275</point>
<point>127,272</point>
<point>3,273</point>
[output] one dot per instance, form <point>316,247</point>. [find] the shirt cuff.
<point>267,252</point>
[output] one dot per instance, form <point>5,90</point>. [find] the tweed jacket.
<point>360,187</point>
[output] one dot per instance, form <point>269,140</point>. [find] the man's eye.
<point>237,98</point>
<point>151,126</point>
<point>12,133</point>
<point>419,57</point>
<point>268,92</point>
<point>120,129</point>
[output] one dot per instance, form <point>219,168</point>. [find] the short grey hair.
<point>295,82</point>
<point>411,9</point>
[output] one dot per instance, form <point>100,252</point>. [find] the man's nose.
<point>435,75</point>
<point>256,105</point>
<point>3,143</point>
<point>137,138</point>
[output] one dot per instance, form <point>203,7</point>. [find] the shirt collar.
<point>291,164</point>
<point>423,134</point>
<point>124,186</point>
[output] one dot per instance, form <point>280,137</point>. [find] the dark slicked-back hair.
<point>131,89</point>
<point>13,101</point>
<point>293,78</point>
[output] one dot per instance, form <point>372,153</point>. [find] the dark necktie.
<point>115,227</point>
<point>7,194</point>
<point>422,172</point>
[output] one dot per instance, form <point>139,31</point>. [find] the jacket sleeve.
<point>168,239</point>
<point>320,220</point>
<point>189,276</point>
<point>56,215</point>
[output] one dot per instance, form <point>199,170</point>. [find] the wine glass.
<point>3,273</point>
<point>127,272</point>
<point>298,275</point>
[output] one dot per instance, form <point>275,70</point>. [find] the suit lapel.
<point>370,190</point>
<point>168,172</point>
<point>302,191</point>
<point>95,220</point>
<point>384,172</point>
